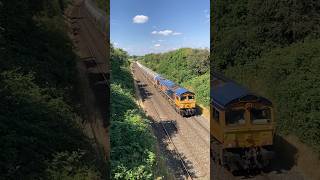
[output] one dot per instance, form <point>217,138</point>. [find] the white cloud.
<point>140,19</point>
<point>166,32</point>
<point>157,45</point>
<point>160,40</point>
<point>176,33</point>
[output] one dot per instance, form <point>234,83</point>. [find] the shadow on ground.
<point>286,155</point>
<point>164,130</point>
<point>144,93</point>
<point>285,159</point>
<point>101,91</point>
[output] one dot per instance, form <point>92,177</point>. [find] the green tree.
<point>187,67</point>
<point>271,46</point>
<point>133,152</point>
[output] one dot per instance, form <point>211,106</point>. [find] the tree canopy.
<point>186,66</point>
<point>272,47</point>
<point>39,119</point>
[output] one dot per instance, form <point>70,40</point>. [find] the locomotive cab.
<point>242,126</point>
<point>247,124</point>
<point>185,102</point>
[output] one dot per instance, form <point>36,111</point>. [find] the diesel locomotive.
<point>242,126</point>
<point>181,99</point>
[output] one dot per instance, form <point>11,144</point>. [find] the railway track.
<point>183,165</point>
<point>88,30</point>
<point>102,70</point>
<point>187,120</point>
<point>183,119</point>
<point>94,78</point>
<point>201,125</point>
<point>186,133</point>
<point>167,134</point>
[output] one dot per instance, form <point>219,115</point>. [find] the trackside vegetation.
<point>273,47</point>
<point>187,67</point>
<point>40,133</point>
<point>133,153</point>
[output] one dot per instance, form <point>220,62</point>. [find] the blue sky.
<point>151,26</point>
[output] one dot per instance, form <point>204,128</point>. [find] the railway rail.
<point>187,133</point>
<point>177,116</point>
<point>92,52</point>
<point>95,75</point>
<point>183,165</point>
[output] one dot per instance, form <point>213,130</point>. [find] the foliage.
<point>273,47</point>
<point>34,39</point>
<point>184,66</point>
<point>200,86</point>
<point>70,166</point>
<point>37,112</point>
<point>33,126</point>
<point>180,65</point>
<point>132,152</point>
<point>247,28</point>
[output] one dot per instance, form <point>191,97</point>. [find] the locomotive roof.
<point>181,91</point>
<point>167,83</point>
<point>227,92</point>
<point>170,84</point>
<point>158,77</point>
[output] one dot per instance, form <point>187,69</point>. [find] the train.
<point>182,100</point>
<point>242,126</point>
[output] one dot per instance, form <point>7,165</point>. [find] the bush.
<point>132,152</point>
<point>33,126</point>
<point>288,76</point>
<point>37,80</point>
<point>70,166</point>
<point>185,66</point>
